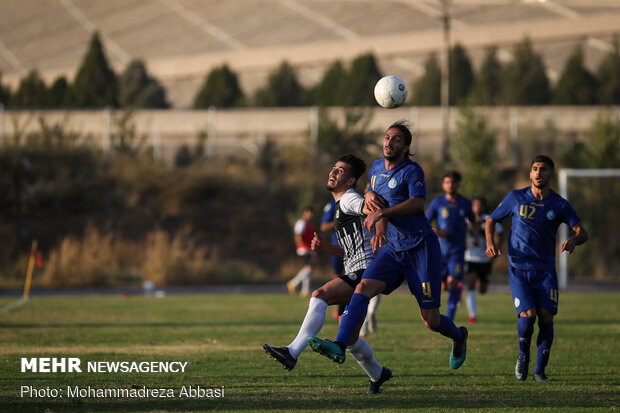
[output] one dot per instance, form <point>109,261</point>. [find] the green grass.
<point>220,336</point>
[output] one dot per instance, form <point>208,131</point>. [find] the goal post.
<point>564,176</point>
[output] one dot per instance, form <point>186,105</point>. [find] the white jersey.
<point>477,253</point>
<point>352,236</point>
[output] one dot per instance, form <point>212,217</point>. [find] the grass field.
<point>220,337</point>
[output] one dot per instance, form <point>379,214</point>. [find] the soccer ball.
<point>391,91</point>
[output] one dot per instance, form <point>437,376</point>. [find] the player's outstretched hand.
<point>317,243</point>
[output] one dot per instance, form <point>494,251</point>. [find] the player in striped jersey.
<point>354,246</point>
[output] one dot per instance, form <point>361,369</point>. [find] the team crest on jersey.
<point>392,183</point>
<point>419,183</point>
<point>352,276</point>
<point>550,215</point>
<point>337,215</point>
<point>517,302</point>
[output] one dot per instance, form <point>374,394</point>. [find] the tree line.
<point>521,81</point>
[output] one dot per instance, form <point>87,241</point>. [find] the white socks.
<point>472,303</point>
<point>362,352</point>
<point>313,322</point>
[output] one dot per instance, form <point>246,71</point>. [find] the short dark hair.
<point>358,166</point>
<point>455,175</point>
<point>404,127</point>
<point>544,159</point>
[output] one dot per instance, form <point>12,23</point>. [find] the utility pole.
<point>445,80</point>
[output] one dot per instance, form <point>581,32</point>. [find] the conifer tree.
<point>139,90</point>
<point>461,75</point>
<point>487,88</point>
<point>331,91</point>
<point>31,92</point>
<point>427,88</point>
<point>525,80</point>
<point>58,93</point>
<point>282,89</point>
<point>576,86</point>
<point>608,75</point>
<point>95,83</point>
<point>220,89</point>
<point>361,79</point>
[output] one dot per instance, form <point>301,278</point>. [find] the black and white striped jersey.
<point>352,236</point>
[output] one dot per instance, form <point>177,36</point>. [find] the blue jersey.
<point>451,216</point>
<point>328,216</point>
<point>531,244</point>
<point>404,181</point>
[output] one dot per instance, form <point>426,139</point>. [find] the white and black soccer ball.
<point>391,91</point>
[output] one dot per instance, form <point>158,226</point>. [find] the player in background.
<point>304,231</point>
<point>412,252</point>
<point>536,213</point>
<point>450,211</point>
<point>355,248</point>
<point>327,228</point>
<point>477,264</point>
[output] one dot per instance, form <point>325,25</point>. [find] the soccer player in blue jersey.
<point>450,211</point>
<point>536,213</point>
<point>397,192</point>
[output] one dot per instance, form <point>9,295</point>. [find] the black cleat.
<point>282,355</point>
<point>375,386</point>
<point>523,364</point>
<point>541,377</point>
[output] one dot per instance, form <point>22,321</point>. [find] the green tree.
<point>487,89</point>
<point>95,83</point>
<point>282,89</point>
<point>331,91</point>
<point>220,89</point>
<point>31,92</point>
<point>461,75</point>
<point>336,138</point>
<point>474,148</point>
<point>361,79</point>
<point>609,77</point>
<point>139,90</point>
<point>58,93</point>
<point>427,88</point>
<point>5,93</point>
<point>525,81</point>
<point>577,86</point>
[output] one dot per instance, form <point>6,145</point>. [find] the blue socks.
<point>453,302</point>
<point>354,314</point>
<point>449,329</point>
<point>544,341</point>
<point>525,328</point>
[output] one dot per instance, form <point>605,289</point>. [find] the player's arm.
<point>414,205</point>
<point>489,232</point>
<point>372,202</point>
<point>318,244</point>
<point>327,226</point>
<point>579,238</point>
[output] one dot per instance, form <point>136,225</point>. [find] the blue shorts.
<point>531,289</point>
<point>420,266</point>
<point>453,265</point>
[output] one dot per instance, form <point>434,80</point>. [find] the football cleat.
<point>541,377</point>
<point>523,364</point>
<point>282,355</point>
<point>375,386</point>
<point>327,348</point>
<point>472,320</point>
<point>459,350</point>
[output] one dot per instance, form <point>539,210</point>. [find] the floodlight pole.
<point>445,80</point>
